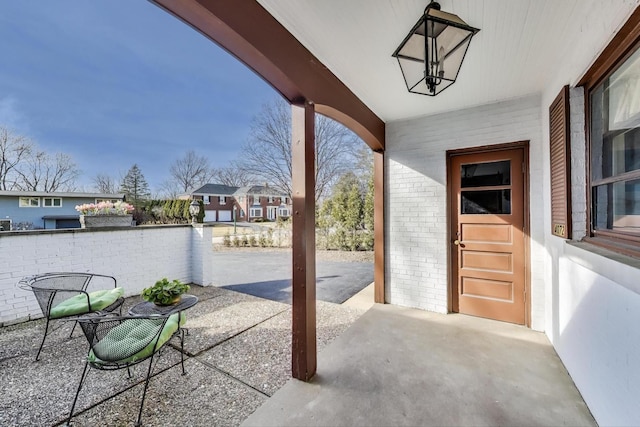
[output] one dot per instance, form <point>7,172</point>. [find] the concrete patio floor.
<point>239,354</point>
<point>403,367</point>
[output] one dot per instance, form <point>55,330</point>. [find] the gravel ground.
<point>238,353</point>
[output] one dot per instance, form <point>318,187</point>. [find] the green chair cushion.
<point>79,304</point>
<point>132,334</point>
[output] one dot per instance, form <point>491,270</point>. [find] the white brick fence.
<point>136,257</point>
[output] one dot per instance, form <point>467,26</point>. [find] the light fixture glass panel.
<point>413,48</point>
<point>413,71</point>
<point>453,61</point>
<point>434,29</point>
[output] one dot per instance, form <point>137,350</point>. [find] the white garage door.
<point>209,216</point>
<point>224,216</point>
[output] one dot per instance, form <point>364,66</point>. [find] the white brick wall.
<point>417,246</point>
<point>137,257</point>
<point>578,164</point>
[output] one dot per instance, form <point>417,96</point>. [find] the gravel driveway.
<point>266,273</point>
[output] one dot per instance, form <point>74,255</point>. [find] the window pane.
<point>615,122</point>
<point>617,206</point>
<point>29,202</point>
<point>486,202</point>
<point>486,174</point>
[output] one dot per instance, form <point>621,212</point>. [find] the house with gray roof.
<point>36,210</point>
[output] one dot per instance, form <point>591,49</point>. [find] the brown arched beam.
<point>246,30</point>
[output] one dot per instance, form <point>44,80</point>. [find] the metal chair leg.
<point>182,351</point>
<point>46,331</point>
<point>144,393</point>
<point>74,328</point>
<point>85,372</point>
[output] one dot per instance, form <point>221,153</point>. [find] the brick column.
<point>201,252</point>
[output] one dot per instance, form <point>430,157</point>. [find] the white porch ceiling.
<point>515,53</point>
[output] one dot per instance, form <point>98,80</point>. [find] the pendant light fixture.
<point>431,55</point>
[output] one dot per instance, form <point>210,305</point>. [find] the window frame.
<point>52,205</point>
<point>29,205</point>
<point>283,208</point>
<point>222,200</point>
<point>623,45</point>
<point>252,210</point>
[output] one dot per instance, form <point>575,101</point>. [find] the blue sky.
<point>118,82</point>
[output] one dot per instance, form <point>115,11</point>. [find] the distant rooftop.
<point>216,189</point>
<point>227,190</point>
<point>61,194</point>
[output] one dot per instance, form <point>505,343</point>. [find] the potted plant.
<point>164,292</point>
<point>105,214</point>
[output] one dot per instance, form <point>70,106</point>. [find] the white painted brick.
<point>415,175</point>
<point>136,257</point>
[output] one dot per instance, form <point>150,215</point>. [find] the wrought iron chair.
<point>65,295</point>
<point>119,342</point>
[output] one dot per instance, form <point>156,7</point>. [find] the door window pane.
<point>486,202</point>
<point>486,174</point>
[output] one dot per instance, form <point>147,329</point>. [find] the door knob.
<point>456,242</point>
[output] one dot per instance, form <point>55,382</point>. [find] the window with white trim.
<point>270,199</point>
<point>256,200</point>
<point>255,213</point>
<point>283,211</point>
<point>222,200</point>
<point>52,202</point>
<point>206,200</point>
<point>29,202</point>
<point>108,200</point>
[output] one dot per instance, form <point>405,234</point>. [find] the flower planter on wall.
<point>96,221</point>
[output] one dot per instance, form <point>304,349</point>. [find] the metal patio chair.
<point>64,295</point>
<point>119,342</point>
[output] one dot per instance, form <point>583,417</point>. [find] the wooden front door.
<point>488,242</point>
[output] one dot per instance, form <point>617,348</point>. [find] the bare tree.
<point>14,149</point>
<point>267,153</point>
<point>168,190</point>
<point>104,183</point>
<point>45,172</point>
<point>233,175</point>
<point>191,171</point>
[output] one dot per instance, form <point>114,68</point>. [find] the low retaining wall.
<point>136,257</point>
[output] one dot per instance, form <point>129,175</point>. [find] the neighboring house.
<point>33,210</point>
<point>218,201</point>
<point>250,203</point>
<point>264,202</point>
